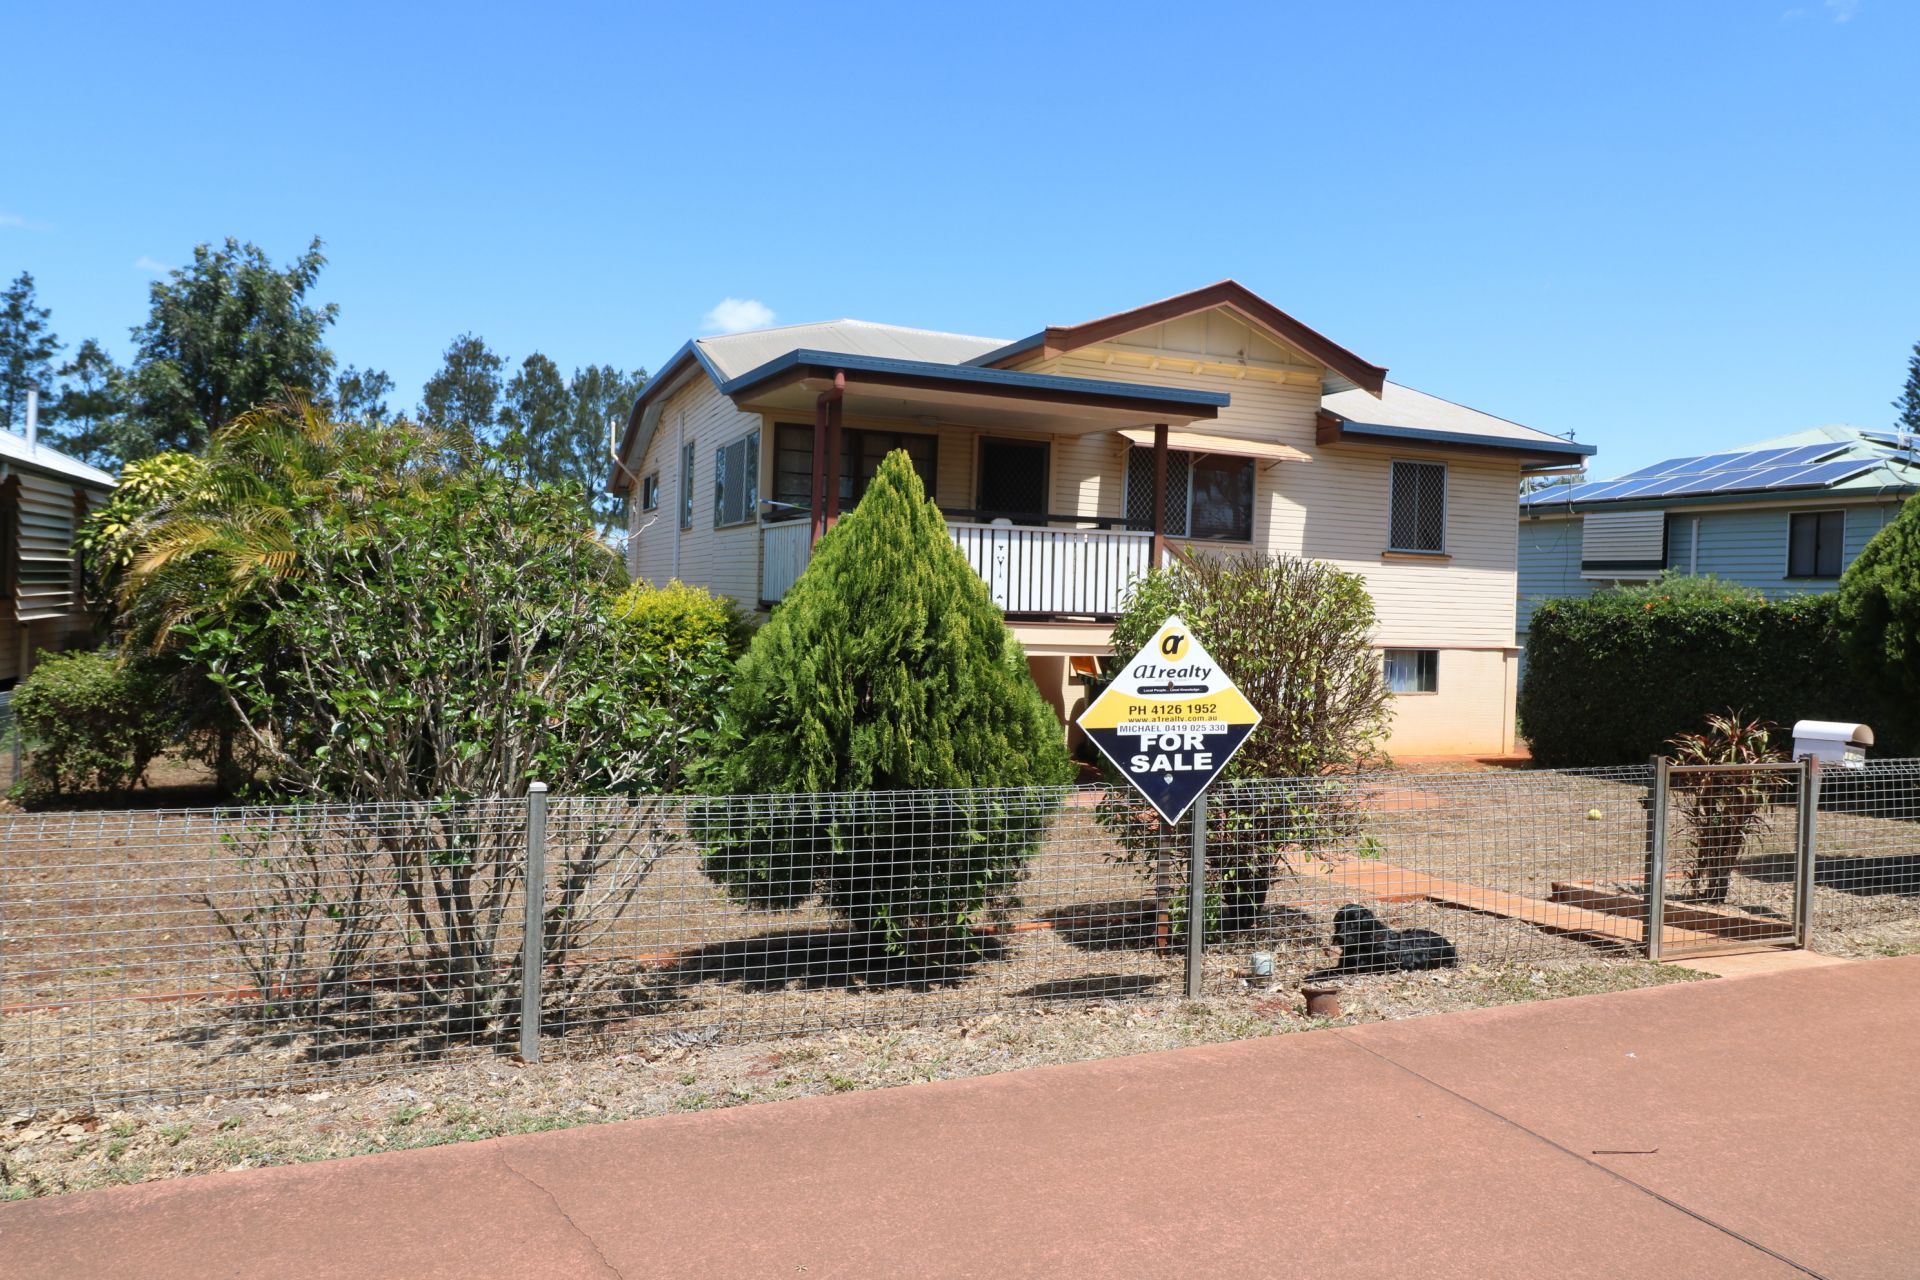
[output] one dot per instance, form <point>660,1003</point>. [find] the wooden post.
<point>833,451</point>
<point>816,494</point>
<point>1159,494</point>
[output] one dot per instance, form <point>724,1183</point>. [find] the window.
<point>1413,670</point>
<point>1209,496</point>
<point>686,486</point>
<point>1011,479</point>
<point>736,481</point>
<point>1417,514</point>
<point>1814,541</point>
<point>861,453</point>
<point>650,492</point>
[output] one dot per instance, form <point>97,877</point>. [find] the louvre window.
<point>1417,519</point>
<point>1413,670</point>
<point>736,481</point>
<point>1209,497</point>
<point>1814,544</point>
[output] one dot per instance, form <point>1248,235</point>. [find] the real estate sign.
<point>1170,720</point>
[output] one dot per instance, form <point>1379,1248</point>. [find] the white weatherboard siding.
<point>726,561</point>
<point>1334,508</point>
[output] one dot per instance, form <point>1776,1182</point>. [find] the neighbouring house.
<point>1070,461</point>
<point>1785,516</point>
<point>44,495</point>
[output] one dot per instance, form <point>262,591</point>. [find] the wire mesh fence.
<point>149,955</point>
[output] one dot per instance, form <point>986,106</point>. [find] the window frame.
<point>687,456</point>
<point>851,438</point>
<point>1393,470</point>
<point>749,477</point>
<point>1840,544</point>
<point>1426,671</point>
<point>1185,514</point>
<point>650,491</point>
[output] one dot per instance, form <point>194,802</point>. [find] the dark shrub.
<point>94,724</point>
<point>1612,678</point>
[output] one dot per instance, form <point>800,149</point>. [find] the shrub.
<point>1726,807</point>
<point>94,722</point>
<point>431,646</point>
<point>680,621</point>
<point>1297,637</point>
<point>1612,678</point>
<point>886,669</point>
<point>1880,612</point>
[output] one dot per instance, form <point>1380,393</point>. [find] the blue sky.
<point>1661,226</point>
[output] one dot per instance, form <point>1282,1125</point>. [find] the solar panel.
<point>1826,473</point>
<point>1790,467</point>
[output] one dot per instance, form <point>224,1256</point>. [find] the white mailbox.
<point>1832,742</point>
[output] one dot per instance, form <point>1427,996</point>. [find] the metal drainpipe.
<point>1693,549</point>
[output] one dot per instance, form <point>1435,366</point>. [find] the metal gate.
<point>1730,857</point>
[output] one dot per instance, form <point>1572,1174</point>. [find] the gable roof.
<point>1400,413</point>
<point>1883,466</point>
<point>1256,310</point>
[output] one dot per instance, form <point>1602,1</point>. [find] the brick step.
<point>1685,915</point>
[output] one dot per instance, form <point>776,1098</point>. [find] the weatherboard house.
<point>1785,516</point>
<point>1069,461</point>
<point>44,497</point>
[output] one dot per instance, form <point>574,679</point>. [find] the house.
<point>1785,516</point>
<point>44,495</point>
<point>1069,461</point>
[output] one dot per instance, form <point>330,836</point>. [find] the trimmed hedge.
<point>1611,678</point>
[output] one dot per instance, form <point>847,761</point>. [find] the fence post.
<point>1197,897</point>
<point>1657,859</point>
<point>533,941</point>
<point>1806,864</point>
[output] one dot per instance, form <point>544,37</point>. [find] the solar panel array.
<point>1797,467</point>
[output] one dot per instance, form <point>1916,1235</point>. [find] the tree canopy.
<point>27,349</point>
<point>226,333</point>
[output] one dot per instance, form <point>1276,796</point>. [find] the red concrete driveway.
<point>1759,1126</point>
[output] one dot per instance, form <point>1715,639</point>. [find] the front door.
<point>1013,480</point>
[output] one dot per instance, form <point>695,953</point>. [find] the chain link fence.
<point>165,955</point>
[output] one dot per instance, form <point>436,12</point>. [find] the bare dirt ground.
<point>488,1095</point>
<point>121,986</point>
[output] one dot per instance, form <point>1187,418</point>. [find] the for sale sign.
<point>1170,720</point>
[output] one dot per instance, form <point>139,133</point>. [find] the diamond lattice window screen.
<point>1140,491</point>
<point>1418,521</point>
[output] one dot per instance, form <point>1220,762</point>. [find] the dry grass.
<point>487,1096</point>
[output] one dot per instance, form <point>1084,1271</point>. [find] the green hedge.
<point>1610,678</point>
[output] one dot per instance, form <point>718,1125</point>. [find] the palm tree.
<point>225,531</point>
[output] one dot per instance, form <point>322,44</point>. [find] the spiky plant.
<point>1723,808</point>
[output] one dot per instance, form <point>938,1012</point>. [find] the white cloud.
<point>736,314</point>
<point>1842,10</point>
<point>20,223</point>
<point>144,263</point>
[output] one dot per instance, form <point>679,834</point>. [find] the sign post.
<point>1169,722</point>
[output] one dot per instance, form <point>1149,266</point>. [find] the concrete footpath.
<point>1760,1126</point>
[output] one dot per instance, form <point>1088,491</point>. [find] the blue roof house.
<point>1785,516</point>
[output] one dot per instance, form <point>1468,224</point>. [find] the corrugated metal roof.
<point>14,449</point>
<point>736,353</point>
<point>1403,407</point>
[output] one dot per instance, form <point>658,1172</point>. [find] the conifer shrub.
<point>886,679</point>
<point>1880,613</point>
<point>678,620</point>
